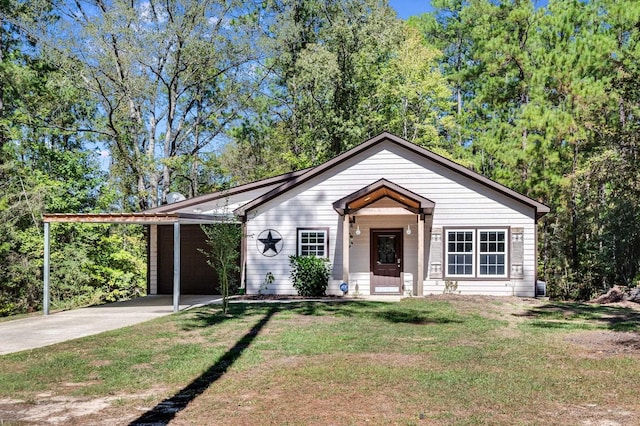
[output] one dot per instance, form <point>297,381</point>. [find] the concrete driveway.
<point>37,331</point>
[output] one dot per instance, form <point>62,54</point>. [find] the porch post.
<point>420,281</point>
<point>345,248</point>
<point>45,290</point>
<point>176,266</point>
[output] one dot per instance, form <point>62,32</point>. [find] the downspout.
<point>535,257</point>
<point>243,254</point>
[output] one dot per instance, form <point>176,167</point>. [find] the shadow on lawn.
<point>349,308</point>
<point>415,317</point>
<point>166,410</point>
<point>568,315</point>
<point>379,310</point>
<point>212,315</point>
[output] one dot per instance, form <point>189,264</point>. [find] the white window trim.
<point>475,275</point>
<point>299,232</point>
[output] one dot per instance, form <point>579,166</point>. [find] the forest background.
<point>109,105</point>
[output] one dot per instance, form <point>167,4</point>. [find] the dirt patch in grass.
<point>603,343</point>
<point>494,307</point>
<point>594,344</point>
<point>67,410</point>
<point>512,310</point>
<point>594,415</point>
<point>315,390</point>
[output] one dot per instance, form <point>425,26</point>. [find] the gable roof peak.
<point>540,209</point>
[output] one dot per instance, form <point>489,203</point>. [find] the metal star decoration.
<point>269,243</point>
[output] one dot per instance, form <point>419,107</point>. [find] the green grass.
<point>350,363</point>
<point>581,316</point>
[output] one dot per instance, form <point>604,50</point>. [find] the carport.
<point>174,219</point>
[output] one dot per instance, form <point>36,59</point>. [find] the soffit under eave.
<point>380,190</point>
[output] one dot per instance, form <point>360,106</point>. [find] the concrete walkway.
<point>37,331</point>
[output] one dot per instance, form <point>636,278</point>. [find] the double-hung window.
<point>492,253</point>
<point>313,242</point>
<point>476,253</point>
<point>460,253</point>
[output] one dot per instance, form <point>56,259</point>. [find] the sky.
<point>406,8</point>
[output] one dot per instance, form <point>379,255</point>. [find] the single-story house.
<point>392,218</point>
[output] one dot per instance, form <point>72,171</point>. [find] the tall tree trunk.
<point>575,260</point>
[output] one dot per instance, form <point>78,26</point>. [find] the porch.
<point>385,227</point>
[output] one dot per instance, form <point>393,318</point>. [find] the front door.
<point>386,261</point>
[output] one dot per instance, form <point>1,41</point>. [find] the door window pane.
<point>386,249</point>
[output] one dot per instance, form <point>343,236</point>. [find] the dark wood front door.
<point>386,261</point>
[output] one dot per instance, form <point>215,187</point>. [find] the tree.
<point>548,100</point>
<point>168,77</point>
<point>32,155</point>
<point>47,168</point>
<point>341,72</point>
<point>327,55</point>
<point>448,29</point>
<point>257,149</point>
<point>411,97</point>
<point>223,240</point>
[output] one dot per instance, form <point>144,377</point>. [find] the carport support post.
<point>45,274</point>
<point>176,266</point>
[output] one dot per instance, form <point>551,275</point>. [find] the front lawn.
<point>436,361</point>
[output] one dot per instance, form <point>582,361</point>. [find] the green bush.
<point>310,275</point>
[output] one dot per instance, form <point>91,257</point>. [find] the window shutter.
<point>517,252</point>
<point>435,254</point>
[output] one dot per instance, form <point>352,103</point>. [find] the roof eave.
<point>167,208</point>
<point>540,208</point>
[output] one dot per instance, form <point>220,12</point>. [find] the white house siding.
<point>459,202</point>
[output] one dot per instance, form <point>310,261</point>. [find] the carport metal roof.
<point>175,219</point>
<point>135,218</point>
